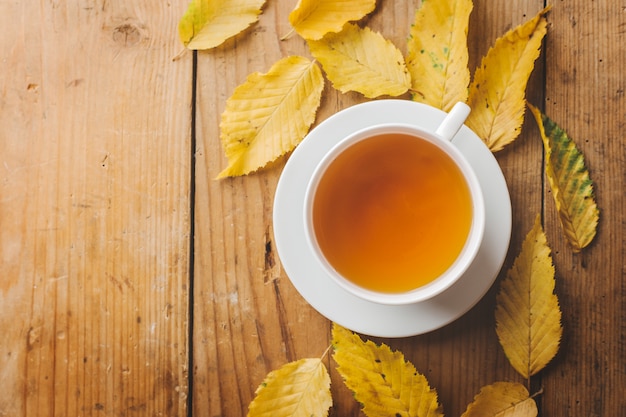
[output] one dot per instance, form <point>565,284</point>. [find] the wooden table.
<point>133,283</point>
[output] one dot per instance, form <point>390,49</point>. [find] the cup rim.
<point>454,271</point>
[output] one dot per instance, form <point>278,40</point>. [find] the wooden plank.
<point>464,356</point>
<point>94,209</point>
<point>585,87</point>
<point>249,319</point>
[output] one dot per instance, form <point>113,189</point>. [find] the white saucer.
<point>355,313</point>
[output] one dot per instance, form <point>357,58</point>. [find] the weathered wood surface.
<point>584,92</point>
<point>95,221</point>
<point>94,209</point>
<point>249,319</point>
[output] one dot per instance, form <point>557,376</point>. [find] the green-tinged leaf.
<point>208,23</point>
<point>361,60</point>
<point>569,180</point>
<point>382,381</point>
<point>437,53</point>
<point>269,114</point>
<point>528,316</point>
<point>502,399</point>
<point>312,19</point>
<point>297,389</point>
<point>497,92</point>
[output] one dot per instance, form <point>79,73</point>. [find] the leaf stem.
<point>326,351</point>
<point>538,393</point>
<point>287,36</point>
<point>179,55</point>
<point>416,93</point>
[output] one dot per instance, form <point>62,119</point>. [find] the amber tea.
<point>392,212</point>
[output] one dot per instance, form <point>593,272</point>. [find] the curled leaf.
<point>497,91</point>
<point>209,23</point>
<point>569,180</point>
<point>269,114</point>
<point>502,399</point>
<point>382,381</point>
<point>437,53</point>
<point>312,19</point>
<point>528,316</point>
<point>297,389</point>
<point>361,60</point>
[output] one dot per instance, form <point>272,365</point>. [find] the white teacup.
<point>394,213</point>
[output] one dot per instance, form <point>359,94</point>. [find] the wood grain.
<point>94,209</point>
<point>253,319</point>
<point>96,224</point>
<point>248,318</point>
<point>585,87</point>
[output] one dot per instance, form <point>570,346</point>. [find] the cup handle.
<point>453,121</point>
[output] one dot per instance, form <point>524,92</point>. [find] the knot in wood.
<point>127,34</point>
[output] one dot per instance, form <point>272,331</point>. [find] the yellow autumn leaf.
<point>269,114</point>
<point>528,316</point>
<point>437,56</point>
<point>297,389</point>
<point>312,19</point>
<point>569,180</point>
<point>502,399</point>
<point>361,60</point>
<point>208,23</point>
<point>497,92</point>
<point>382,381</point>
